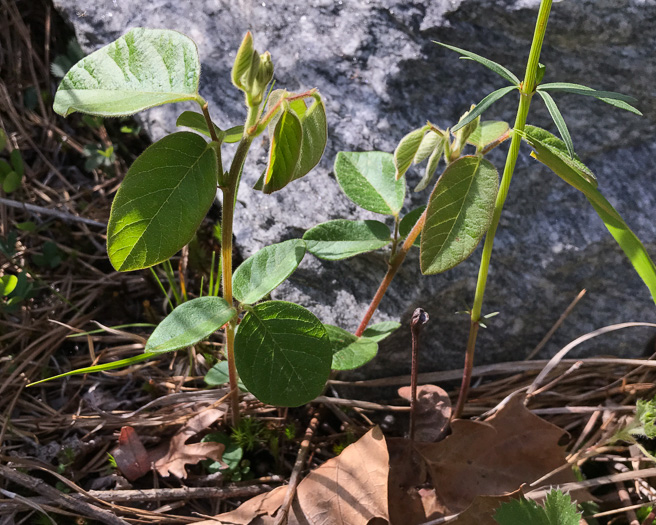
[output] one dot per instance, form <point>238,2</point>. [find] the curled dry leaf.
<point>350,489</point>
<point>433,412</point>
<point>180,454</point>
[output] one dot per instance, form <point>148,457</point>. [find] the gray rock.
<point>381,76</point>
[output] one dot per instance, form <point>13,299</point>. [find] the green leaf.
<point>17,162</point>
<point>459,213</point>
<point>162,201</point>
<point>367,179</point>
<point>350,351</point>
<point>407,150</point>
<point>550,153</point>
<point>121,363</point>
<point>379,331</point>
<point>483,105</point>
<point>646,414</point>
<point>266,269</point>
<point>488,132</point>
<point>142,69</point>
<point>558,119</point>
<point>5,168</point>
<point>315,134</point>
<point>341,239</point>
<point>284,152</point>
<point>231,456</point>
<point>7,284</point>
<point>219,375</point>
<point>11,182</point>
<point>497,68</point>
<point>427,146</point>
<point>431,167</point>
<point>558,510</point>
<point>408,222</point>
<point>3,139</point>
<point>196,121</point>
<point>609,97</point>
<point>190,323</point>
<point>282,353</point>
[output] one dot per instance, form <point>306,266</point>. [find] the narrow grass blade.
<point>497,68</point>
<point>121,363</point>
<point>558,119</point>
<point>483,105</point>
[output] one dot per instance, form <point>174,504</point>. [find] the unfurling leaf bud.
<point>243,61</point>
<point>407,149</point>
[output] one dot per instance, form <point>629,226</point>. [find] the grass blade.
<point>618,100</point>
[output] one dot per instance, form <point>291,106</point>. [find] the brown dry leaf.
<point>179,454</point>
<point>494,458</point>
<point>350,489</point>
<point>433,412</point>
<point>483,509</point>
<point>130,455</point>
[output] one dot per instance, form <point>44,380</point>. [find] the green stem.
<point>227,216</point>
<point>526,93</point>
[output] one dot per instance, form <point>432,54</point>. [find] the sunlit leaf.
<point>190,323</point>
<point>367,179</point>
<point>163,199</point>
<point>609,97</point>
<point>380,331</point>
<point>315,134</point>
<point>340,239</point>
<point>431,166</point>
<point>142,69</point>
<point>282,353</point>
<point>459,213</point>
<point>263,271</point>
<point>497,68</point>
<point>483,105</point>
<point>197,122</point>
<point>488,132</point>
<point>284,152</point>
<point>405,152</point>
<point>558,119</point>
<point>350,351</point>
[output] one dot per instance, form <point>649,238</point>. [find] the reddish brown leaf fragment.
<point>130,455</point>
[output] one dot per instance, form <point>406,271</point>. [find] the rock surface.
<point>381,76</point>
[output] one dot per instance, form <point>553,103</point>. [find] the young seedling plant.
<point>464,205</point>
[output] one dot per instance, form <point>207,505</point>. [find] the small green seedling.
<point>558,509</point>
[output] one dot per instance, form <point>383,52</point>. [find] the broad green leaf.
<point>282,353</point>
<point>483,105</point>
<point>431,166</point>
<point>609,97</point>
<point>121,363</point>
<point>407,149</point>
<point>459,213</point>
<point>196,121</point>
<point>408,222</point>
<point>488,131</point>
<point>219,375</point>
<point>266,269</point>
<point>558,119</point>
<point>162,201</point>
<point>427,146</point>
<point>350,351</point>
<point>550,153</point>
<point>7,284</point>
<point>379,331</point>
<point>558,510</point>
<point>341,239</point>
<point>497,68</point>
<point>4,169</point>
<point>231,456</point>
<point>367,179</point>
<point>284,152</point>
<point>189,323</point>
<point>315,134</point>
<point>17,162</point>
<point>142,69</point>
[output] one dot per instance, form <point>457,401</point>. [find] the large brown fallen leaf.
<point>180,454</point>
<point>350,489</point>
<point>494,458</point>
<point>433,411</point>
